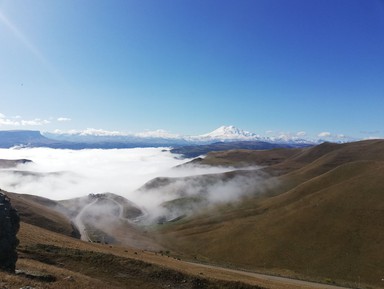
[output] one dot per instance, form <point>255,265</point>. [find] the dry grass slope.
<point>325,222</point>
<point>51,260</point>
<point>42,212</point>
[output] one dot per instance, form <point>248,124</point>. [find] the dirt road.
<point>273,281</point>
<point>221,273</point>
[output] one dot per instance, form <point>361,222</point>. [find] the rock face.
<point>9,226</point>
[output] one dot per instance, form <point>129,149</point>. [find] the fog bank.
<point>62,174</point>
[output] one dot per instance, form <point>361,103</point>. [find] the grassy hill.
<point>193,151</point>
<point>324,220</point>
<point>313,213</point>
<point>49,260</point>
<point>43,213</point>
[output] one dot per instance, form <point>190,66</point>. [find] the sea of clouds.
<point>61,174</point>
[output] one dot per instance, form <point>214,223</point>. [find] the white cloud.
<point>18,121</point>
<point>325,134</point>
<point>160,133</point>
<point>62,119</point>
<point>99,132</point>
<point>301,133</point>
<point>89,132</point>
<point>5,121</point>
<point>63,174</point>
<point>34,122</point>
<point>373,137</point>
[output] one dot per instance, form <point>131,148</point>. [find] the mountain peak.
<point>230,133</point>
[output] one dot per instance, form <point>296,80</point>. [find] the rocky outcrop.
<point>9,226</point>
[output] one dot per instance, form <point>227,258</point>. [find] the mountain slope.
<point>23,138</point>
<point>94,138</point>
<point>193,151</point>
<point>317,214</point>
<point>43,213</point>
<point>323,221</point>
<point>49,260</point>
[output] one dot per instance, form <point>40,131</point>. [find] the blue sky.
<point>190,66</point>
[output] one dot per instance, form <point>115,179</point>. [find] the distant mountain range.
<point>223,138</point>
<point>221,134</point>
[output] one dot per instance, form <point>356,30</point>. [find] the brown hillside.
<point>334,155</point>
<point>317,216</point>
<point>42,212</point>
<point>327,223</point>
<point>241,158</point>
<point>49,260</point>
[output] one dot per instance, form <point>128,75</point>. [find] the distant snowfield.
<point>62,174</point>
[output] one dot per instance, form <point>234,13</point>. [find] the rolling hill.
<point>313,213</point>
<point>50,256</point>
<point>323,220</point>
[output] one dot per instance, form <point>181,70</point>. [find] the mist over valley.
<point>216,207</point>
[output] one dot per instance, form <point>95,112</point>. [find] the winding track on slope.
<point>78,221</point>
<point>284,282</point>
<point>270,278</point>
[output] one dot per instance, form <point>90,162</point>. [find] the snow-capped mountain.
<point>226,136</point>
<point>228,133</point>
<point>222,134</point>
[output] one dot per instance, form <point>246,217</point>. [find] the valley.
<point>311,213</point>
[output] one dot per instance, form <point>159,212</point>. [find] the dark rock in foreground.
<point>9,226</point>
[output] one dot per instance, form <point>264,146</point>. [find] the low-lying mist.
<point>169,199</point>
<point>157,186</point>
<point>63,174</point>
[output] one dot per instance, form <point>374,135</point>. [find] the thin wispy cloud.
<point>324,134</point>
<point>34,122</point>
<point>18,121</point>
<point>335,137</point>
<point>301,133</point>
<point>89,132</point>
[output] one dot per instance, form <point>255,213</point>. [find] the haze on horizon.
<point>298,67</point>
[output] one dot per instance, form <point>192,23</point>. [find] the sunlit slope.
<point>325,220</point>
<point>49,260</point>
<point>43,212</point>
<point>240,158</point>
